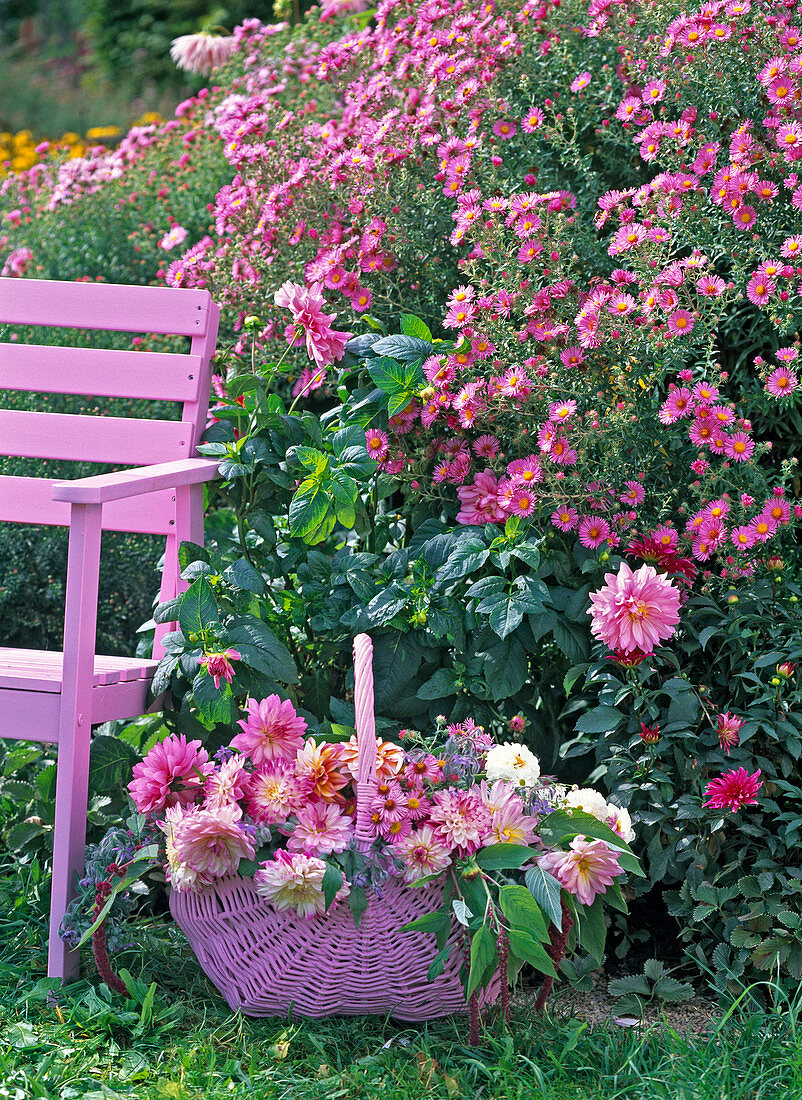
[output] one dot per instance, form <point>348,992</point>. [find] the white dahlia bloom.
<point>201,53</point>
<point>588,800</point>
<point>513,762</point>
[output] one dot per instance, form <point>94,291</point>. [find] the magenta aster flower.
<point>634,610</point>
<point>733,790</point>
<point>323,343</point>
<point>172,773</point>
<point>272,731</point>
<point>781,382</point>
<point>585,870</point>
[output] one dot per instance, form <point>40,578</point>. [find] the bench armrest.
<point>130,483</point>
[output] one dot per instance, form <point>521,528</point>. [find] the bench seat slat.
<point>108,307</point>
<point>153,376</point>
<point>29,500</point>
<point>113,439</point>
<point>40,670</point>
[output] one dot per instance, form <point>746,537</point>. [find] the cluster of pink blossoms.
<point>275,788</point>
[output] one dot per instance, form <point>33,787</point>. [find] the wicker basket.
<point>267,963</point>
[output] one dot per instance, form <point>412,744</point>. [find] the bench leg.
<point>69,841</point>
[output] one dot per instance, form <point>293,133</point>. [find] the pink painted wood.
<point>58,697</point>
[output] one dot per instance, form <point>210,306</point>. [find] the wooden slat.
<point>38,670</point>
<point>112,439</point>
<point>154,376</point>
<point>109,307</point>
<point>30,715</point>
<point>29,500</point>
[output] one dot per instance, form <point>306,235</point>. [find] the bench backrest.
<point>99,372</point>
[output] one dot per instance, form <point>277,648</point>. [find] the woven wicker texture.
<point>266,963</point>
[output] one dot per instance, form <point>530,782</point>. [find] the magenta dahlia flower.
<point>733,790</point>
<point>322,828</point>
<point>323,343</point>
<point>201,53</point>
<point>172,773</point>
<point>634,610</point>
<point>272,731</point>
<point>586,869</point>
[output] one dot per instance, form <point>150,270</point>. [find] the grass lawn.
<point>176,1039</point>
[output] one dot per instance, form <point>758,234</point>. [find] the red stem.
<point>556,952</point>
<point>99,948</point>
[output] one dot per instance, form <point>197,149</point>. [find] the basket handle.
<point>366,780</point>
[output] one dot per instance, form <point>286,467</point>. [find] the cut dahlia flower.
<point>203,52</point>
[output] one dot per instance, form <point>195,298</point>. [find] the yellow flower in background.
<point>18,150</point>
<point>98,132</point>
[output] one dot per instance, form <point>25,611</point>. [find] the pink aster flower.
<point>742,537</point>
<point>680,322</point>
<point>172,773</point>
<point>593,531</point>
<point>218,665</point>
<point>275,792</point>
<point>565,518</point>
<point>461,820</point>
<point>423,852</point>
<point>727,727</point>
<point>585,870</point>
<point>781,382</point>
<point>634,610</point>
<point>212,842</point>
<point>271,731</point>
<point>322,828</point>
<point>733,790</point>
<point>739,447</point>
<point>323,344</point>
<point>201,53</point>
<point>293,881</point>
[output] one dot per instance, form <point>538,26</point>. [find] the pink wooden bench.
<point>57,697</point>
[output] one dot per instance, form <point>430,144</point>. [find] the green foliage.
<point>654,985</point>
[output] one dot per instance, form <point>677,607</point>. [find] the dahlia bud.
<point>649,735</point>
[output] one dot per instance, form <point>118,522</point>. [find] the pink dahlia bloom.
<point>733,790</point>
<point>226,785</point>
<point>586,869</point>
<point>294,881</point>
<point>322,828</point>
<point>272,731</point>
<point>461,820</point>
<point>480,501</point>
<point>218,665</point>
<point>212,842</point>
<point>423,853</point>
<point>172,773</point>
<point>634,611</point>
<point>323,344</point>
<point>201,53</point>
<point>727,727</point>
<point>275,792</point>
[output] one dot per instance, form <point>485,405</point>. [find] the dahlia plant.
<point>453,806</point>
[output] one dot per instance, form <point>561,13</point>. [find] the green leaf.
<point>413,326</point>
<point>601,719</point>
<point>440,686</point>
<point>469,555</point>
<point>332,884</point>
<point>143,859</point>
<point>261,649</point>
<point>483,952</point>
<point>438,963</point>
<point>357,903</point>
<point>565,825</point>
<point>312,459</point>
<point>243,575</point>
<point>522,911</point>
<point>308,508</point>
<point>572,640</point>
<point>387,375</point>
<point>592,932</point>
<point>189,552</point>
<point>545,889</point>
<point>504,857</point>
<point>407,348</point>
<point>429,922</point>
<point>110,762</point>
<point>19,836</point>
<point>214,704</point>
<point>198,608</point>
<point>526,947</point>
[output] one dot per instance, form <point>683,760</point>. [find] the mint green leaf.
<point>413,326</point>
<point>308,508</point>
